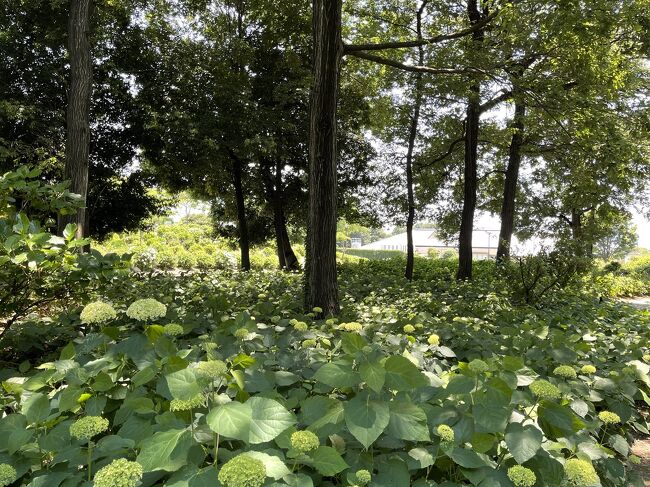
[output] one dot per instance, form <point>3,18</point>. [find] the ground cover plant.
<point>219,378</point>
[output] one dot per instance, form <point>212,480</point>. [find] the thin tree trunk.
<point>286,257</point>
<point>320,279</point>
<point>413,131</point>
<point>471,159</point>
<point>77,145</point>
<point>242,222</point>
<point>511,183</point>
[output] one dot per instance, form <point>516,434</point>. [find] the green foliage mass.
<point>483,402</point>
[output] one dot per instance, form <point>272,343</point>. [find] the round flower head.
<point>609,417</point>
<point>119,473</point>
<point>565,371</point>
<point>309,343</point>
<point>409,328</point>
<point>173,329</point>
<point>299,325</point>
<point>353,326</point>
<point>363,477</point>
<point>241,333</point>
<point>88,427</point>
<point>588,369</point>
<point>445,433</point>
<point>317,309</point>
<point>478,366</point>
<point>97,312</point>
<point>434,340</point>
<point>212,369</point>
<point>634,460</point>
<point>187,405</point>
<point>521,476</point>
<point>242,471</point>
<point>646,357</point>
<point>304,441</point>
<point>146,310</point>
<point>544,389</point>
<point>8,474</point>
<point>580,473</point>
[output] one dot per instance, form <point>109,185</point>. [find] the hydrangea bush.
<point>473,392</point>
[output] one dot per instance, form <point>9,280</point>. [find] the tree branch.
<point>410,67</point>
<point>451,148</point>
<point>350,48</point>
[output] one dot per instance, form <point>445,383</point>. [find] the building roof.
<point>428,238</point>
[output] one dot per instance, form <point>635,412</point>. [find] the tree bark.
<point>286,257</point>
<point>77,145</point>
<point>413,131</point>
<point>511,183</point>
<point>471,158</point>
<point>320,279</point>
<point>242,222</point>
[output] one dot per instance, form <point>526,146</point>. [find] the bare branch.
<point>410,67</point>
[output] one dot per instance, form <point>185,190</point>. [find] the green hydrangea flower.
<point>119,473</point>
<point>634,460</point>
<point>317,309</point>
<point>242,471</point>
<point>304,441</point>
<point>326,342</point>
<point>212,369</point>
<point>580,473</point>
<point>146,310</point>
<point>544,389</point>
<point>522,476</point>
<point>445,433</point>
<point>187,405</point>
<point>173,329</point>
<point>353,326</point>
<point>309,343</point>
<point>87,427</point>
<point>241,333</point>
<point>646,357</point>
<point>97,312</point>
<point>8,474</point>
<point>363,477</point>
<point>609,417</point>
<point>565,371</point>
<point>478,366</point>
<point>409,328</point>
<point>299,325</point>
<point>588,369</point>
<point>434,340</point>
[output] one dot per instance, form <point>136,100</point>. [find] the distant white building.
<point>484,243</point>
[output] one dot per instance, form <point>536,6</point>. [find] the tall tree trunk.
<point>511,182</point>
<point>471,158</point>
<point>77,145</point>
<point>286,257</point>
<point>320,279</point>
<point>242,222</point>
<point>413,131</point>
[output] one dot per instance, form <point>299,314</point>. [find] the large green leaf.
<point>408,422</point>
<point>337,374</point>
<point>374,374</point>
<point>231,420</point>
<point>366,418</point>
<point>269,418</point>
<point>403,375</point>
<point>558,421</point>
<point>36,408</point>
<point>327,461</point>
<point>183,384</point>
<point>165,450</point>
<point>523,441</point>
<point>490,417</point>
<point>274,465</point>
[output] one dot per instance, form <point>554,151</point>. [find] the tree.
<point>619,239</point>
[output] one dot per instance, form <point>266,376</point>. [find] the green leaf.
<point>460,384</point>
<point>402,375</point>
<point>558,421</point>
<point>490,418</point>
<point>269,418</point>
<point>366,419</point>
<point>352,343</point>
<point>36,408</point>
<point>231,420</point>
<point>327,461</point>
<point>523,441</point>
<point>374,374</point>
<point>408,422</point>
<point>322,414</point>
<point>275,467</point>
<point>468,458</point>
<point>165,450</point>
<point>337,374</point>
<point>183,384</point>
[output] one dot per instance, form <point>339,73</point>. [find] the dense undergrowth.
<point>426,383</point>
